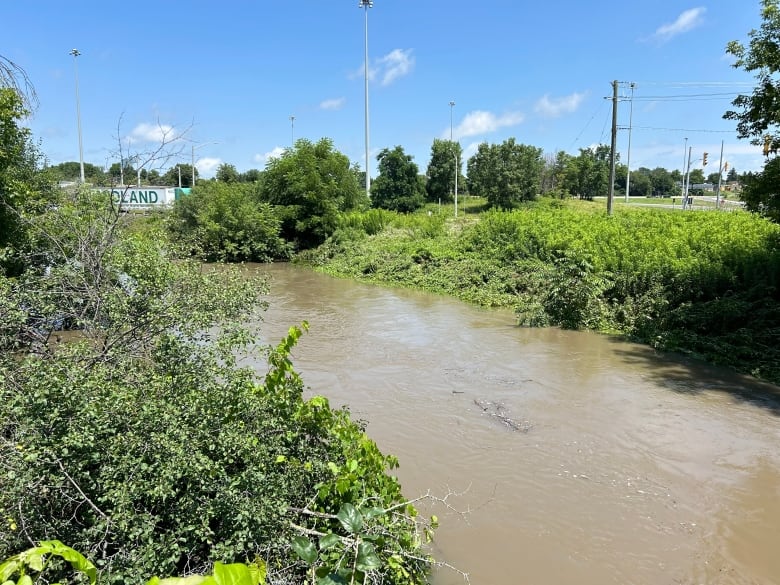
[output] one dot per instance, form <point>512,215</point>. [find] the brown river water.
<point>579,459</point>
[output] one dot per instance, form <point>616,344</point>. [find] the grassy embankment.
<point>701,283</point>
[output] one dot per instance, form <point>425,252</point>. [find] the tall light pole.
<point>292,131</point>
<point>366,4</point>
<point>76,53</point>
<point>630,124</point>
<point>452,105</point>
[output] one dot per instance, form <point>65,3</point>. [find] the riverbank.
<point>705,284</point>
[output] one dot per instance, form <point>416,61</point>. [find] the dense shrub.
<point>143,444</point>
<point>705,283</point>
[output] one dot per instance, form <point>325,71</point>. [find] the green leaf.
<point>372,512</point>
<point>350,518</point>
<point>25,580</point>
<point>78,561</point>
<point>234,574</point>
<point>367,559</point>
<point>304,548</point>
<point>191,580</point>
<point>35,562</point>
<point>8,568</point>
<point>329,541</point>
<point>331,579</point>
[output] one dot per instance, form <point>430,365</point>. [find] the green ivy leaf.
<point>350,518</point>
<point>304,548</point>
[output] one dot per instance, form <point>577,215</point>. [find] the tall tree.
<point>761,191</point>
<point>587,175</point>
<point>440,185</point>
<point>662,181</point>
<point>24,188</point>
<point>227,173</point>
<point>506,174</point>
<point>171,176</point>
<point>758,115</point>
<point>397,187</point>
<point>310,184</point>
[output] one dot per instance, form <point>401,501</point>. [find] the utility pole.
<point>613,153</point>
<point>720,177</point>
<point>292,131</point>
<point>687,179</point>
<point>632,85</point>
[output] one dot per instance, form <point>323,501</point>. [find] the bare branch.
<point>13,76</point>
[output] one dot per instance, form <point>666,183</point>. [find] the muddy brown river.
<point>579,459</point>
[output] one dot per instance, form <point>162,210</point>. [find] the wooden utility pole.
<point>613,149</point>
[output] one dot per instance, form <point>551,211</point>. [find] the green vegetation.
<point>758,115</point>
<point>398,186</point>
<point>702,283</point>
<point>128,426</point>
<point>143,443</point>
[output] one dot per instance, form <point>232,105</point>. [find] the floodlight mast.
<point>76,53</point>
<point>366,4</point>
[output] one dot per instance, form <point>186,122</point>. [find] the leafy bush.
<point>141,441</point>
<point>228,222</point>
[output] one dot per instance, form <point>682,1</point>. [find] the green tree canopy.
<point>24,188</point>
<point>228,222</point>
<point>310,184</point>
<point>758,114</point>
<point>441,170</point>
<point>171,176</point>
<point>761,191</point>
<point>506,174</point>
<point>227,173</point>
<point>587,175</point>
<point>397,187</point>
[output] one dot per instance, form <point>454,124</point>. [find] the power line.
<point>684,130</point>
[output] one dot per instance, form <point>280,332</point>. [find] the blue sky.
<point>234,72</point>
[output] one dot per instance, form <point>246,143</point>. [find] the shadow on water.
<point>685,375</point>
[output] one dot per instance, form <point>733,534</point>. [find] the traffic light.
<point>767,141</point>
<point>704,159</point>
<point>726,166</point>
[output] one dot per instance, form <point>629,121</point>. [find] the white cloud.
<point>482,122</point>
<point>207,165</point>
<point>470,150</point>
<point>333,104</point>
<point>687,21</point>
<point>555,107</point>
<point>265,157</point>
<point>151,133</point>
<point>396,64</point>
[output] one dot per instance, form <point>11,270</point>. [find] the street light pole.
<point>76,53</point>
<point>292,131</point>
<point>456,182</point>
<point>452,105</point>
<point>630,125</point>
<point>366,4</point>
